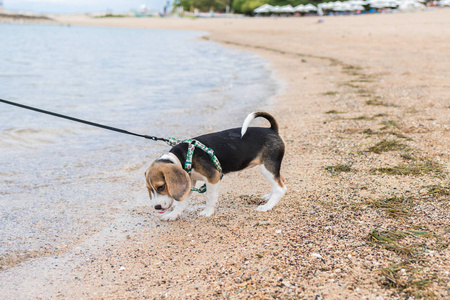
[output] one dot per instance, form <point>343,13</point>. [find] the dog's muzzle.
<point>160,209</point>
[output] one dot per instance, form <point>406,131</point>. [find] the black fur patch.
<point>236,153</point>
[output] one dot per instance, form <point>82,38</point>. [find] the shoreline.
<point>13,17</point>
<point>219,108</point>
<point>350,84</point>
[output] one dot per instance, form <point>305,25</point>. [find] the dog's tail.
<point>256,114</point>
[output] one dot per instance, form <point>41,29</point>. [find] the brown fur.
<point>273,122</point>
<point>213,175</point>
<point>280,180</point>
<point>176,180</point>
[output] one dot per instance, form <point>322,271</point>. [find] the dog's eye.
<point>161,188</point>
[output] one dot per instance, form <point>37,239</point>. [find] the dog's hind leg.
<point>278,188</point>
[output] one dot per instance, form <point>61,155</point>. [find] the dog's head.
<point>166,182</point>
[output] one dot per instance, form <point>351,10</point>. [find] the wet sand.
<point>364,112</point>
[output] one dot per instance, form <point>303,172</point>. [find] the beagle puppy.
<point>236,149</point>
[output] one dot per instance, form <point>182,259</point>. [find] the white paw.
<point>266,197</point>
<point>207,212</point>
<point>170,216</point>
<point>263,208</point>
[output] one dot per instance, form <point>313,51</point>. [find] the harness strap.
<point>192,144</point>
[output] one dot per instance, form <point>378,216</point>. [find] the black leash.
<point>153,138</point>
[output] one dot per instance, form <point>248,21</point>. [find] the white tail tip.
<point>247,121</point>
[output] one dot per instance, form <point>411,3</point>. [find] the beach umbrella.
<point>410,5</point>
<point>339,6</point>
<point>287,9</point>
<point>266,8</point>
<point>357,7</point>
<point>300,8</point>
<point>382,3</point>
<point>385,4</point>
<point>378,5</point>
<point>328,5</point>
<point>357,2</point>
<point>344,6</point>
<point>275,9</point>
<point>354,5</point>
<point>336,6</point>
<point>310,7</point>
<point>444,3</point>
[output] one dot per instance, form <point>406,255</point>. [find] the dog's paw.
<point>264,208</point>
<point>207,212</point>
<point>170,216</point>
<point>266,197</point>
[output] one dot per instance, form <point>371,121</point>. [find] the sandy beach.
<point>365,114</point>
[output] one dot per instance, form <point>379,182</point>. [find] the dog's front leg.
<point>212,194</point>
<point>178,210</point>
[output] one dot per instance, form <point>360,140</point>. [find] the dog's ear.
<point>177,181</point>
<point>147,182</point>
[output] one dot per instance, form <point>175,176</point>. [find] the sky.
<point>81,6</point>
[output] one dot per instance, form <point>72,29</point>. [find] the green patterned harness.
<point>188,163</point>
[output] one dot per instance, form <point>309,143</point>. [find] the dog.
<point>236,149</point>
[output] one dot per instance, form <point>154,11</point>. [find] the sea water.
<point>61,182</point>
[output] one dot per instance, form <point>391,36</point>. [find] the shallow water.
<point>63,181</point>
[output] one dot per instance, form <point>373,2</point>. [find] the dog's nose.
<point>158,207</point>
